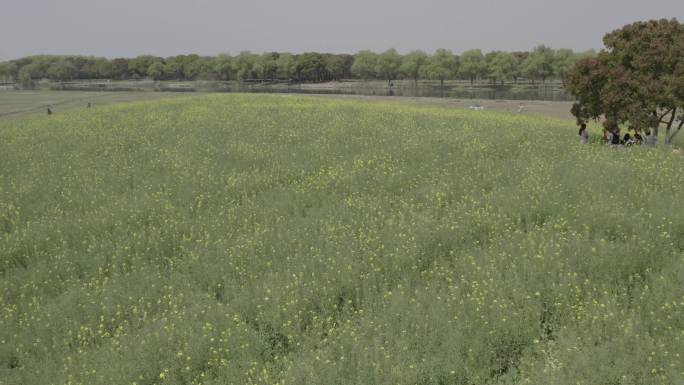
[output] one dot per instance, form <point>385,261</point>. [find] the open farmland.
<point>242,239</point>
<point>22,103</point>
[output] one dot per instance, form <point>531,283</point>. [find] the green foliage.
<point>138,66</point>
<point>223,67</point>
<point>388,64</point>
<point>310,66</point>
<point>539,64</point>
<point>243,64</point>
<point>266,66</point>
<point>335,66</point>
<point>157,71</point>
<point>287,66</point>
<point>637,80</point>
<point>365,64</point>
<point>472,65</point>
<point>61,71</point>
<point>442,65</point>
<point>120,68</point>
<point>28,73</point>
<point>284,66</point>
<point>172,69</point>
<point>412,63</point>
<point>8,70</point>
<point>103,69</point>
<point>200,68</point>
<point>261,239</point>
<point>563,61</point>
<point>501,66</point>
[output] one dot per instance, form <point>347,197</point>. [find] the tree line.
<point>540,64</point>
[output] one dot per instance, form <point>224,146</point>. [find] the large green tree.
<point>563,61</point>
<point>442,65</point>
<point>103,69</point>
<point>501,66</point>
<point>28,74</point>
<point>472,65</point>
<point>156,71</point>
<point>266,66</point>
<point>637,80</point>
<point>243,64</point>
<point>8,71</point>
<point>310,66</point>
<point>120,68</point>
<point>412,63</point>
<point>388,64</point>
<point>137,67</point>
<point>62,71</point>
<point>364,65</point>
<point>286,65</point>
<point>335,66</point>
<point>223,67</point>
<point>539,64</point>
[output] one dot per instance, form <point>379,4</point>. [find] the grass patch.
<point>266,239</point>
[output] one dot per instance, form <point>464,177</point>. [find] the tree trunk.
<point>679,129</point>
<point>668,138</point>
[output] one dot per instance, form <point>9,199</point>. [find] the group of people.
<point>611,137</point>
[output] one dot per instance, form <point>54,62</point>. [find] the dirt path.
<point>559,110</point>
<point>43,107</point>
<point>19,103</point>
<point>22,103</point>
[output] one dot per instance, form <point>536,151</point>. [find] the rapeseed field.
<point>242,239</point>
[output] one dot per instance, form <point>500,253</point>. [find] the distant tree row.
<point>540,64</point>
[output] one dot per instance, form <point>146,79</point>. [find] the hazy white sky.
<point>125,28</point>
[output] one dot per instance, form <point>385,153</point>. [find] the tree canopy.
<point>388,64</point>
<point>539,64</point>
<point>443,64</point>
<point>638,79</point>
<point>472,64</point>
<point>412,63</point>
<point>364,64</point>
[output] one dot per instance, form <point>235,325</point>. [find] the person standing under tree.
<point>583,134</point>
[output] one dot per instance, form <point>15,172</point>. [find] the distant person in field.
<point>615,141</point>
<point>613,136</point>
<point>606,136</point>
<point>649,138</point>
<point>583,134</point>
<point>88,105</point>
<point>610,137</point>
<point>638,139</point>
<point>49,111</point>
